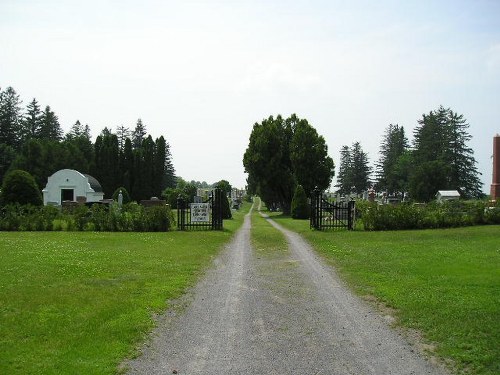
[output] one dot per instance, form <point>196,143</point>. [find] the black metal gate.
<point>201,216</point>
<point>326,215</point>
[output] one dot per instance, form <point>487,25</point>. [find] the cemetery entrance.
<point>201,214</point>
<point>330,215</point>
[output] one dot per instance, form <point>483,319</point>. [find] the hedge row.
<point>131,217</point>
<point>433,215</point>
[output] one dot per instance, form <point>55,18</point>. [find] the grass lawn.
<point>80,302</point>
<point>444,283</point>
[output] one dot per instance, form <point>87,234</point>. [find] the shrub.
<point>20,187</point>
<point>300,206</point>
<point>28,218</point>
<point>433,215</point>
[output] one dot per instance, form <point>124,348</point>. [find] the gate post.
<point>315,209</point>
<point>350,215</point>
<point>217,196</point>
<point>181,223</point>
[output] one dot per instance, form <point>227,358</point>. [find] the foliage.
<point>276,160</point>
<point>49,128</point>
<point>10,117</point>
<point>20,187</point>
<point>448,214</point>
<point>125,195</point>
<point>16,217</point>
<point>389,170</point>
<point>130,217</point>
<point>184,190</point>
<point>33,141</point>
<point>7,156</point>
<point>442,159</point>
<point>225,186</point>
<point>300,205</point>
<point>354,173</point>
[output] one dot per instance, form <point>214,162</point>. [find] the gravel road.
<point>286,313</point>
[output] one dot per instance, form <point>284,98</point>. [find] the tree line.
<point>32,140</point>
<point>439,158</point>
<point>284,154</point>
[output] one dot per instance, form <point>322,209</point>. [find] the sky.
<point>202,73</point>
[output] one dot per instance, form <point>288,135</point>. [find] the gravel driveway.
<point>285,313</point>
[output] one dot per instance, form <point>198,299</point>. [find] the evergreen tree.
<point>354,173</point>
<point>442,159</point>
<point>344,178</point>
<point>300,206</point>
<point>128,165</point>
<point>169,179</point>
<point>10,118</point>
<point>49,129</point>
<point>7,156</point>
<point>393,146</point>
<point>267,162</point>
<point>147,170</point>
<point>312,166</point>
<point>159,166</point>
<point>360,169</point>
<point>123,133</point>
<point>107,161</point>
<point>282,153</point>
<point>32,122</point>
<point>76,131</point>
<point>138,134</point>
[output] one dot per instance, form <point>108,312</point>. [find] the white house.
<point>447,195</point>
<point>71,185</point>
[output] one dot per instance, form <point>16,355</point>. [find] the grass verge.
<point>445,283</point>
<point>265,239</point>
<point>80,302</point>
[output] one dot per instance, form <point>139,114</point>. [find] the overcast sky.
<point>201,73</point>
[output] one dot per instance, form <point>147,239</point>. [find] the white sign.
<point>200,212</point>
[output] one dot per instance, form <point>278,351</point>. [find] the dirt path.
<point>282,314</point>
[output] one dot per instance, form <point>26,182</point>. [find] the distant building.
<point>71,185</point>
<point>447,195</point>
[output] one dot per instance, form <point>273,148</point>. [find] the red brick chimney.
<point>495,184</point>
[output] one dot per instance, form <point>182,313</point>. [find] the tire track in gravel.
<point>284,313</point>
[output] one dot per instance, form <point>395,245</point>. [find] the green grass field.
<point>443,283</point>
<point>81,302</point>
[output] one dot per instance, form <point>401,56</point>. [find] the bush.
<point>300,206</point>
<point>130,217</point>
<point>15,217</point>
<point>433,215</point>
<point>20,187</point>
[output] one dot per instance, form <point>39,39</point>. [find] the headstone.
<point>198,199</point>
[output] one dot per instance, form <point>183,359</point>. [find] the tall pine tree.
<point>10,118</point>
<point>442,159</point>
<point>388,169</point>
<point>49,129</point>
<point>32,121</point>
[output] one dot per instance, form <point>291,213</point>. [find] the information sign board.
<point>200,212</point>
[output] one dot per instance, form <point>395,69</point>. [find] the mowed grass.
<point>265,239</point>
<point>443,283</point>
<point>80,302</point>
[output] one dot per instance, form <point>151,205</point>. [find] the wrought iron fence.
<point>205,215</point>
<point>331,215</point>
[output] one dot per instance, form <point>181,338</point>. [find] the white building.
<point>71,185</point>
